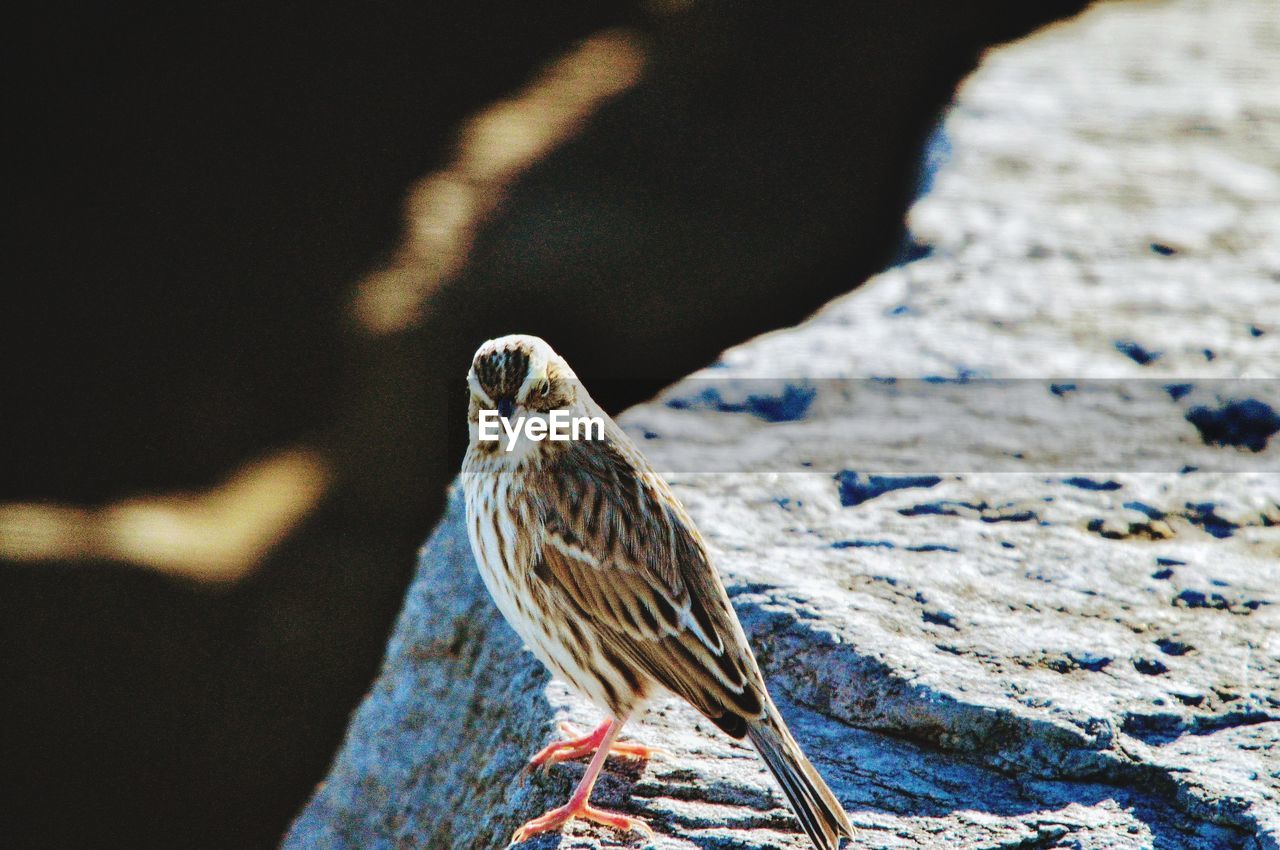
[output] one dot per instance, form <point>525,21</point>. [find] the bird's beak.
<point>506,407</point>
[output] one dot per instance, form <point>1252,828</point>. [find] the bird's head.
<point>520,375</point>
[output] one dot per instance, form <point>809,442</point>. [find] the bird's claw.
<point>576,746</point>
<point>557,818</point>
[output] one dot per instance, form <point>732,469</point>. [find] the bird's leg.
<point>578,805</point>
<point>585,745</point>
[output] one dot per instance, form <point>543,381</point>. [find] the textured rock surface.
<point>1010,648</point>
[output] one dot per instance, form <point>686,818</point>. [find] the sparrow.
<point>599,569</point>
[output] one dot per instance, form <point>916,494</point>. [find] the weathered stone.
<point>1022,652</point>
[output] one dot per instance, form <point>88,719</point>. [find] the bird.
<point>600,570</point>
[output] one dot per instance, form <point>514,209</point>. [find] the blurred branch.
<point>219,535</point>
<point>495,147</point>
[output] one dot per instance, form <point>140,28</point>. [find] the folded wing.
<point>621,552</point>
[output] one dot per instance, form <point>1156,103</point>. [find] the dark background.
<point>196,191</point>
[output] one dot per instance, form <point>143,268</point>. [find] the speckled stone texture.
<point>979,647</point>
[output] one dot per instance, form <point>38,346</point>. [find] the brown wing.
<point>621,551</point>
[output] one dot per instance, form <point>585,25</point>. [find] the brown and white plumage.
<point>599,569</point>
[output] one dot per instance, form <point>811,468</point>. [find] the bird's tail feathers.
<point>819,812</point>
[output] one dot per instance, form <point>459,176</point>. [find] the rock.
<point>983,643</point>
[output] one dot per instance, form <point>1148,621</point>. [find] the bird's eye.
<point>544,388</point>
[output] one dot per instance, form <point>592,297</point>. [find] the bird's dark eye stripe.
<point>502,372</point>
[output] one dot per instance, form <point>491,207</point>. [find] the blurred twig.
<point>219,535</point>
<point>497,145</point>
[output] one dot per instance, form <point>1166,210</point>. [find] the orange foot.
<point>585,745</point>
<point>575,808</point>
